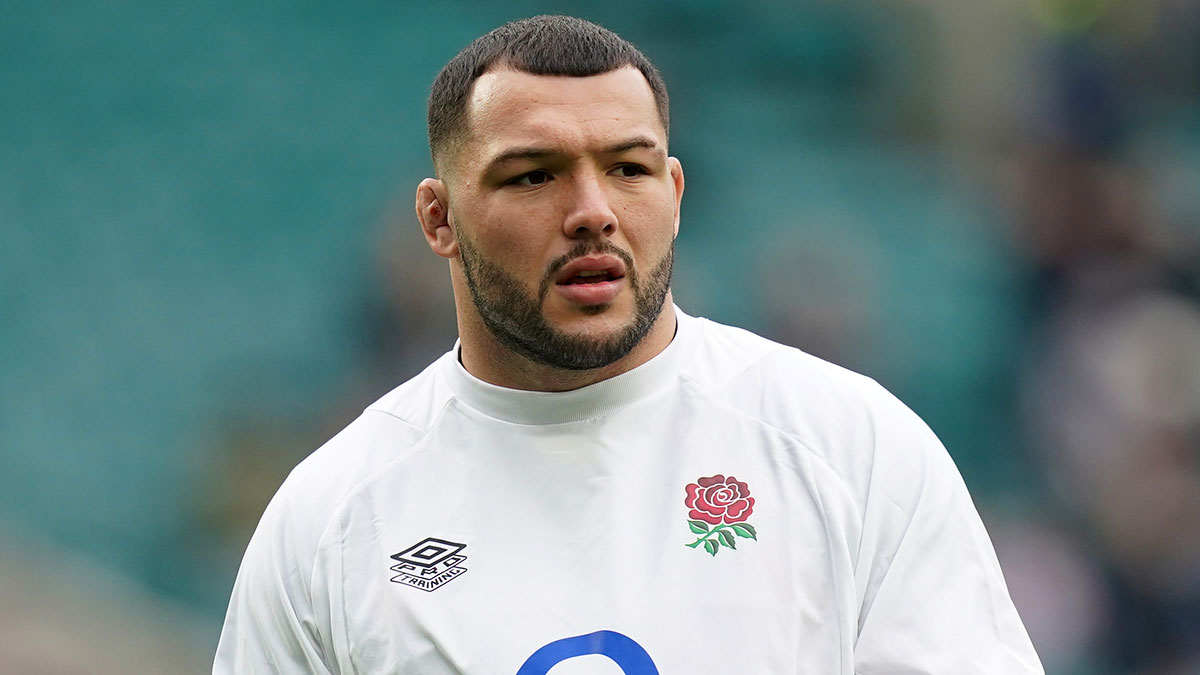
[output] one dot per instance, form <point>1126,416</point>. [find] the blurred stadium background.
<point>208,264</point>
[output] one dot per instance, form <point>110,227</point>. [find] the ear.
<point>433,212</point>
<point>676,170</point>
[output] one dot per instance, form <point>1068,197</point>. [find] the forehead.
<point>509,107</point>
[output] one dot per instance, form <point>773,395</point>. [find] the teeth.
<point>591,273</point>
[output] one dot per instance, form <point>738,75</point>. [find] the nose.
<point>590,214</point>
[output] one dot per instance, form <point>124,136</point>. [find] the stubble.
<point>517,320</point>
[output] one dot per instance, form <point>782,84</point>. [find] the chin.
<point>590,318</point>
<point>592,321</point>
<point>595,310</point>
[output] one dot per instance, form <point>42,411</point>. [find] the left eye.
<point>630,170</point>
<point>532,178</point>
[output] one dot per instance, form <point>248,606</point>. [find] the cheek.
<point>506,238</point>
<point>649,245</point>
<point>649,222</point>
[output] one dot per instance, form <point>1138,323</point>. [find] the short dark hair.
<point>540,45</point>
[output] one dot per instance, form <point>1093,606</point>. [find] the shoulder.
<point>384,434</point>
<point>275,611</point>
<point>847,420</point>
<point>783,385</point>
<point>727,356</point>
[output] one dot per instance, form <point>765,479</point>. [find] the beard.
<point>516,318</point>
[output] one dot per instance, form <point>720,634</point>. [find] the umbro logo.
<point>429,564</point>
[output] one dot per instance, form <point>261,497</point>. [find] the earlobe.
<point>433,213</point>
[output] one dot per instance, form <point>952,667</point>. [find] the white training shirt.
<point>458,527</point>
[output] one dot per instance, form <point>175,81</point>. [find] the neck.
<point>489,360</point>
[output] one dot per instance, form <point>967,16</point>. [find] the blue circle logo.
<point>626,653</point>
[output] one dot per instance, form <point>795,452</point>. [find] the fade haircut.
<point>541,45</point>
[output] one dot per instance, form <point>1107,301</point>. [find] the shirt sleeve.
<point>271,625</point>
<point>932,596</point>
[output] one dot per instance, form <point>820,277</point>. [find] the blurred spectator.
<point>1113,385</point>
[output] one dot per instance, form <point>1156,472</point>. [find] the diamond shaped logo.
<point>429,563</point>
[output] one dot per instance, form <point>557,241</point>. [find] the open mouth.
<point>591,269</point>
<point>590,277</point>
<point>591,280</point>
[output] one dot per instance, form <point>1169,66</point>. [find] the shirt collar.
<point>540,407</point>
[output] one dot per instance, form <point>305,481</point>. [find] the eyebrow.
<point>638,142</point>
<point>537,152</point>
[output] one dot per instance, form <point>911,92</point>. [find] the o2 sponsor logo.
<point>623,651</point>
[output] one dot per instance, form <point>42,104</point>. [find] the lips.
<point>593,269</point>
<point>591,280</point>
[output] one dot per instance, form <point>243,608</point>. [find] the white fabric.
<point>870,558</point>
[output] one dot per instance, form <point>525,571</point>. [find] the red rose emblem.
<point>719,500</point>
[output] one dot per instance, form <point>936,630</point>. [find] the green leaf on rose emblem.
<point>745,530</point>
<point>711,546</point>
<point>698,526</point>
<point>727,539</point>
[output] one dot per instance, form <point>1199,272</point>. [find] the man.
<point>591,477</point>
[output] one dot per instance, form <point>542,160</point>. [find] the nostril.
<point>606,228</point>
